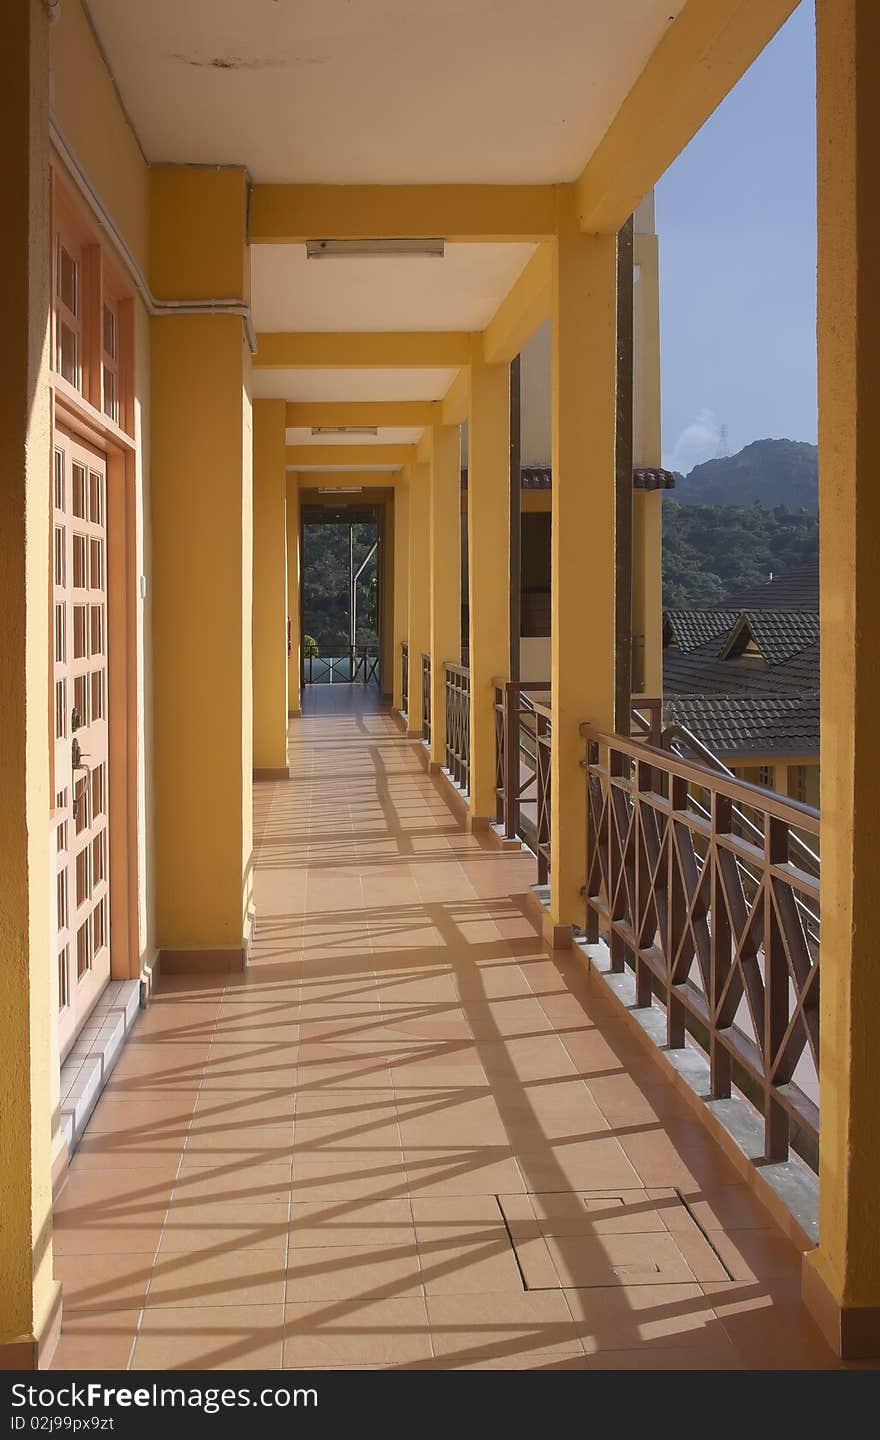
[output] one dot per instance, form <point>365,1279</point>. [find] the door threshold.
<point>88,1065</point>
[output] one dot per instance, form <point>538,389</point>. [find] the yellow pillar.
<point>29,1297</point>
<point>386,600</point>
<point>582,582</point>
<point>842,1278</point>
<point>202,535</point>
<point>444,573</point>
<point>419,637</point>
<point>401,585</point>
<point>488,567</point>
<point>294,570</point>
<point>270,589</point>
<point>647,578</point>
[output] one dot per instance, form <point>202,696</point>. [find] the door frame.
<point>72,414</point>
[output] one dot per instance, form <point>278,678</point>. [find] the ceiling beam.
<point>291,214</point>
<point>394,413</point>
<point>524,308</point>
<point>366,479</point>
<point>702,55</point>
<point>356,349</point>
<point>455,402</point>
<point>333,456</point>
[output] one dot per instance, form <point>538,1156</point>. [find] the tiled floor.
<point>405,1137</point>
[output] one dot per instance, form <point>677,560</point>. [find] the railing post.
<point>511,760</point>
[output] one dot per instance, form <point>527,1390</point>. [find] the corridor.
<point>404,1137</point>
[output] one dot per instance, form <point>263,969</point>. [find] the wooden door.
<point>80,727</point>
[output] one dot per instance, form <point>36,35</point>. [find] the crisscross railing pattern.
<point>722,926</point>
<point>458,724</point>
<point>522,765</point>
<point>426,698</point>
<point>404,677</point>
<point>352,668</point>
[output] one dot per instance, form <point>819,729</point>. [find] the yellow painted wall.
<point>86,108</point>
<point>270,586</point>
<point>27,1290</point>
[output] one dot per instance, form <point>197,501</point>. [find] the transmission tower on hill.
<point>723,450</point>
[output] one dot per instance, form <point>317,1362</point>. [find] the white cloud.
<point>698,441</point>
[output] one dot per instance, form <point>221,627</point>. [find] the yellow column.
<point>386,601</point>
<point>202,516</point>
<point>488,567</point>
<point>294,563</point>
<point>444,573</point>
<point>647,505</point>
<point>401,584</point>
<point>842,1278</point>
<point>270,589</point>
<point>29,1297</point>
<point>582,583</point>
<point>419,598</point>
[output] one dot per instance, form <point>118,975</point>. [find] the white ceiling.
<point>393,91</point>
<point>386,435</point>
<point>351,384</point>
<point>460,292</point>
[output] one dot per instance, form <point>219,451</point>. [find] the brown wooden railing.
<point>404,677</point>
<point>426,698</point>
<point>522,765</point>
<point>353,666</point>
<point>719,923</point>
<point>458,724</point>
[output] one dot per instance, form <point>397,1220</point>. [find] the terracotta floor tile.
<point>343,1272</point>
<point>385,1332</point>
<point>204,1226</point>
<point>103,1282</point>
<point>466,1329</point>
<point>301,1163</point>
<point>224,1276</point>
<point>624,1317</point>
<point>96,1342</point>
<point>228,1337</point>
<point>351,1222</point>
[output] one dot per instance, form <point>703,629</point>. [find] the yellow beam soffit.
<point>405,414</point>
<point>454,405</point>
<point>524,308</point>
<point>352,350</point>
<point>291,214</point>
<point>703,54</point>
<point>332,456</point>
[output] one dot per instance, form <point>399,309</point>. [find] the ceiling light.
<point>345,430</point>
<point>360,249</point>
<point>340,489</point>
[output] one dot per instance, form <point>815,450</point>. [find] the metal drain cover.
<point>595,1238</point>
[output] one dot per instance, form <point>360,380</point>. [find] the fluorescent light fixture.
<point>361,249</point>
<point>345,430</point>
<point>340,489</point>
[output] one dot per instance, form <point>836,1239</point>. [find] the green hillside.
<point>711,552</point>
<point>771,472</point>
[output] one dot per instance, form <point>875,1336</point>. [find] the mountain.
<point>769,472</point>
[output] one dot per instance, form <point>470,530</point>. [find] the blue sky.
<point>736,215</point>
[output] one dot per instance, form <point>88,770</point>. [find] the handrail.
<point>679,733</point>
<point>522,764</point>
<point>792,812</point>
<point>457,682</point>
<point>718,921</point>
